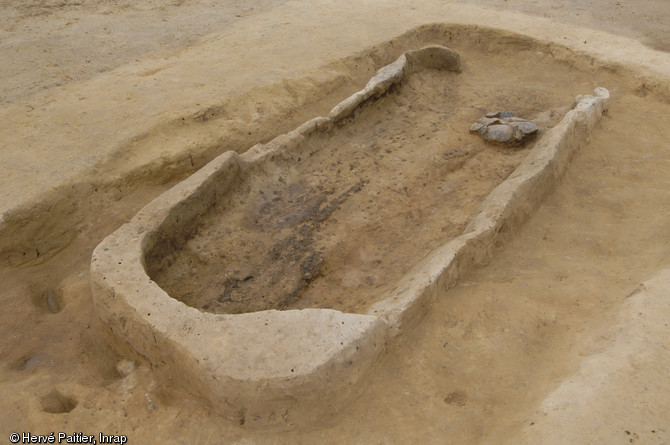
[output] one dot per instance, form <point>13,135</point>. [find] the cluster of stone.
<point>503,128</point>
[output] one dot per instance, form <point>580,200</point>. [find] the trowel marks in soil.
<point>336,223</point>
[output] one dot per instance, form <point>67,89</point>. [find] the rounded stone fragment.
<point>499,133</point>
<point>504,128</point>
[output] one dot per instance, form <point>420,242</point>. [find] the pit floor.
<point>343,218</point>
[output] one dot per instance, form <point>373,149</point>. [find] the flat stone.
<point>528,128</point>
<point>482,123</point>
<point>506,114</point>
<point>476,127</point>
<point>486,121</point>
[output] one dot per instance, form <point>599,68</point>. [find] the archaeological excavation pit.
<point>334,220</point>
<point>269,282</point>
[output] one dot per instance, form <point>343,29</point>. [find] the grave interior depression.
<point>269,282</point>
<point>330,224</point>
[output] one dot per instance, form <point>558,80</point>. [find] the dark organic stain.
<point>283,273</point>
<point>457,398</point>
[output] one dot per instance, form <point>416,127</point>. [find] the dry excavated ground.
<point>562,338</point>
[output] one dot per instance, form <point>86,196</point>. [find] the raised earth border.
<point>275,368</point>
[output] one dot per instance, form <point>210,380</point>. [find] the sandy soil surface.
<point>495,358</point>
<point>53,42</point>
